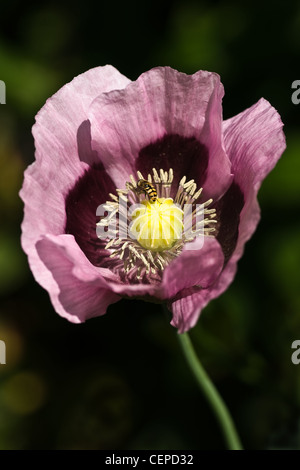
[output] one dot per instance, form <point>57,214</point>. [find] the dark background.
<point>120,381</point>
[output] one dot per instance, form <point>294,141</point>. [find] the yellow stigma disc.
<point>157,225</point>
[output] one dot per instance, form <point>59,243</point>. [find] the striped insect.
<point>148,189</point>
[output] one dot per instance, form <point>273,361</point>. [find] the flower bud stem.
<point>218,405</point>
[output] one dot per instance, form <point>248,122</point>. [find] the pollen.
<point>157,225</point>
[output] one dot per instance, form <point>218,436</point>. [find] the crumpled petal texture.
<point>102,124</point>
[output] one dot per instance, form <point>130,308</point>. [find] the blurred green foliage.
<point>120,382</point>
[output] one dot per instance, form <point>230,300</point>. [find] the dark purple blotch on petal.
<point>186,155</point>
<point>88,193</point>
<point>85,152</point>
<point>228,210</point>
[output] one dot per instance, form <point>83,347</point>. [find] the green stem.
<point>220,409</point>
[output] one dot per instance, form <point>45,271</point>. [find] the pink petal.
<point>68,270</point>
<point>60,145</point>
<point>254,141</point>
<point>57,167</point>
<point>148,292</point>
<point>161,102</point>
<point>57,123</point>
<point>196,265</point>
<point>187,307</point>
<point>77,289</point>
<point>219,166</point>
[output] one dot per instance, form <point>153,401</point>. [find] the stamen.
<point>158,224</point>
<point>186,185</point>
<point>149,254</point>
<point>155,176</point>
<point>198,193</point>
<point>140,175</point>
<point>207,203</point>
<point>122,193</point>
<point>182,181</point>
<point>133,182</point>
<point>110,243</point>
<point>114,198</point>
<point>160,264</point>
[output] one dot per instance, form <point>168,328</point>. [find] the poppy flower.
<point>116,158</point>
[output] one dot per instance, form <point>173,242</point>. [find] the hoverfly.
<point>148,189</point>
